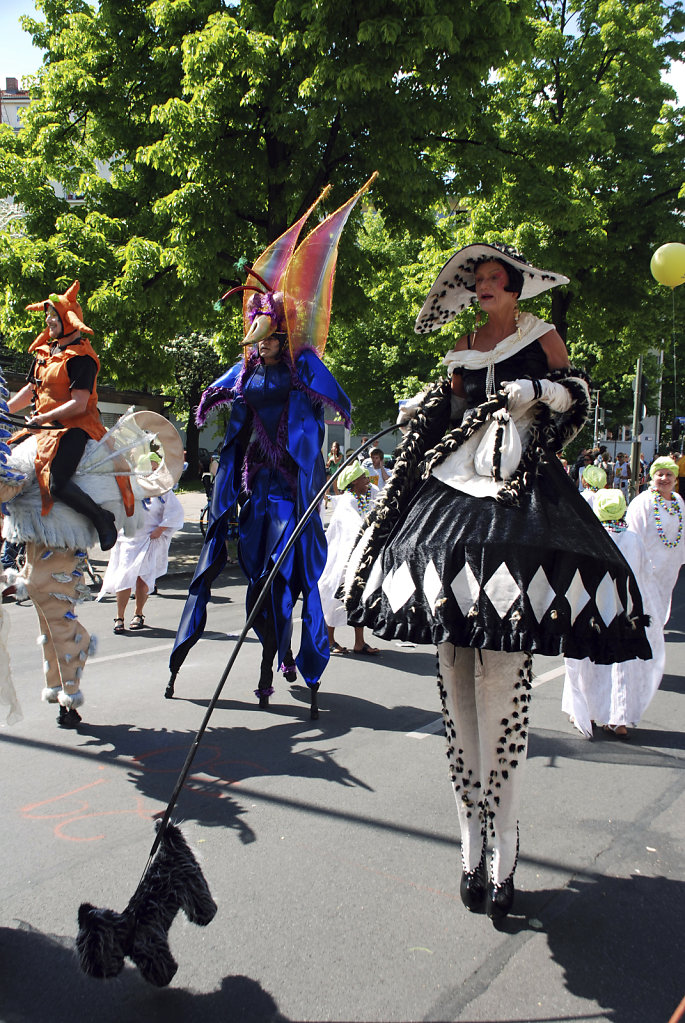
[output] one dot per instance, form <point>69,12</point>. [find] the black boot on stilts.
<point>314,702</point>
<point>264,695</point>
<point>103,520</point>
<point>500,896</point>
<point>289,668</point>
<point>500,899</point>
<point>473,885</point>
<point>265,688</point>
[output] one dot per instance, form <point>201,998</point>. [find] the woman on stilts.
<point>271,460</point>
<point>482,545</point>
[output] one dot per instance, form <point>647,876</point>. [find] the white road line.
<point>132,653</point>
<point>430,729</point>
<point>436,726</point>
<point>160,648</point>
<point>548,675</point>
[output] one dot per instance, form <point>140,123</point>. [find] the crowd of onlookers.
<point>618,471</point>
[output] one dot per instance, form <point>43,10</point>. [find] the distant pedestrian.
<point>375,466</point>
<point>679,459</point>
<point>138,561</point>
<point>357,498</point>
<point>622,474</point>
<point>657,517</point>
<point>617,695</point>
<point>332,464</point>
<point>587,461</point>
<point>594,479</point>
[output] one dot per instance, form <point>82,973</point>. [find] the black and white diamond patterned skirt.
<point>543,577</point>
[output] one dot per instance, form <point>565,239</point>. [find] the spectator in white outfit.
<point>357,496</point>
<point>617,695</point>
<point>593,479</point>
<point>657,517</point>
<point>138,561</point>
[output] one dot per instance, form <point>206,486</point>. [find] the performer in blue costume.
<point>271,461</point>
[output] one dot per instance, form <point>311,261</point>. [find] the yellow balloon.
<point>668,264</point>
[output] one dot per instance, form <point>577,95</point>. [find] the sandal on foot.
<point>341,651</point>
<point>118,626</point>
<point>137,623</point>
<point>366,651</point>
<point>624,736</point>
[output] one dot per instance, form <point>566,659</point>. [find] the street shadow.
<point>41,982</point>
<point>673,684</point>
<point>412,661</point>
<point>150,631</point>
<point>618,941</point>
<point>277,744</point>
<point>227,757</point>
<point>168,594</point>
<point>646,748</point>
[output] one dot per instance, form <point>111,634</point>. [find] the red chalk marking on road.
<point>60,828</point>
<point>26,810</point>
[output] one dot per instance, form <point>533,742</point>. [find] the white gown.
<point>342,531</point>
<point>666,561</point>
<point>140,556</point>
<point>619,694</point>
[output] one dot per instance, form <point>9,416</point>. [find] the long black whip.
<point>246,628</point>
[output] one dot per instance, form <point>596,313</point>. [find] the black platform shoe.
<point>500,899</point>
<point>472,888</point>
<point>263,696</point>
<point>473,885</point>
<point>289,668</point>
<point>314,702</point>
<point>500,896</point>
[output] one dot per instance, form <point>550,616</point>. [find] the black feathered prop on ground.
<point>172,879</point>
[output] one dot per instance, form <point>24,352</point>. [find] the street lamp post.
<point>635,439</point>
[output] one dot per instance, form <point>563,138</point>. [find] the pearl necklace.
<point>671,507</point>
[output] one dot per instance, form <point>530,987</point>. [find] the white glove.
<point>408,410</point>
<point>558,397</point>
<point>519,392</point>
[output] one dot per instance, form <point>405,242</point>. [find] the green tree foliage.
<point>592,149</point>
<point>219,124</point>
<point>377,357</point>
<point>192,363</point>
<point>582,157</point>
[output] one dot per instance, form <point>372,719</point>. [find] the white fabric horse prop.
<point>57,543</point>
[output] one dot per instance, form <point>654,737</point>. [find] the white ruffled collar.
<point>529,329</point>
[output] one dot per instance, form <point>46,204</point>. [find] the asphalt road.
<point>331,847</point>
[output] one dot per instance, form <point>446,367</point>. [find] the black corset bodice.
<point>530,361</point>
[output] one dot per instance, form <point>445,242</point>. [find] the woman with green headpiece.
<point>657,516</point>
<point>617,695</point>
<point>593,479</point>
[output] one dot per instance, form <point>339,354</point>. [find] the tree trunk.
<point>192,447</point>
<point>560,306</point>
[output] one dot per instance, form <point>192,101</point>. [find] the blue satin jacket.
<point>268,509</point>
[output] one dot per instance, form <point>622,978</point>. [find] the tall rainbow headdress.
<point>294,286</point>
<point>68,310</point>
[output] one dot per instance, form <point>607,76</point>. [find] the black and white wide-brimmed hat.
<point>455,286</point>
